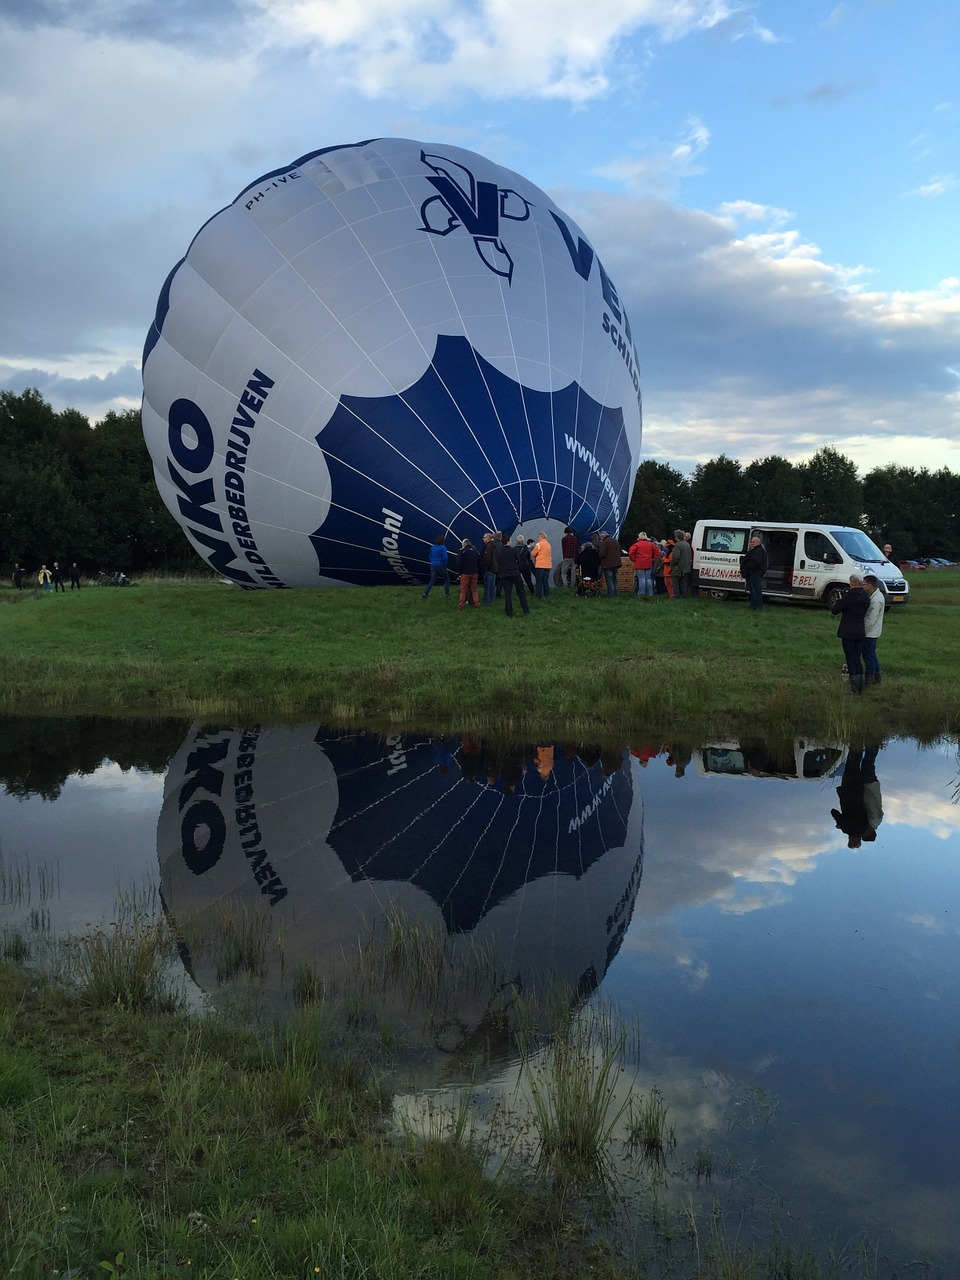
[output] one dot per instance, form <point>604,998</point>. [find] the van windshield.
<point>857,545</point>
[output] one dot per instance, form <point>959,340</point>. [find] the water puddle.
<point>749,951</point>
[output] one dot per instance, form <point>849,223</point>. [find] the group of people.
<point>48,579</point>
<point>501,566</point>
<point>861,608</point>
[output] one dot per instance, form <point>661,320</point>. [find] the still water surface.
<point>780,929</point>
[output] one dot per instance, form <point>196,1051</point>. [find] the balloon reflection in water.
<point>464,879</point>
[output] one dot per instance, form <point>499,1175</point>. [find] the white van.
<point>803,760</point>
<point>806,561</point>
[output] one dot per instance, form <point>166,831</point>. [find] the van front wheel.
<point>832,595</point>
<point>718,595</point>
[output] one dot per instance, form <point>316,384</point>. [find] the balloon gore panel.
<point>378,345</point>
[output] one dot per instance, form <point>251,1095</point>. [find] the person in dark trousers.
<point>872,627</point>
<point>17,577</point>
<point>852,607</point>
<point>588,562</point>
<point>525,561</point>
<point>468,567</point>
<point>488,564</point>
<point>511,577</point>
<point>439,572</point>
<point>58,578</point>
<point>568,556</point>
<point>753,565</point>
<point>74,577</point>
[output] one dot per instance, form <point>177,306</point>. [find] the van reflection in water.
<point>465,883</point>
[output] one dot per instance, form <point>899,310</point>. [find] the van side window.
<point>817,545</point>
<point>721,539</point>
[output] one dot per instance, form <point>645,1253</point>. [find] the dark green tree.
<point>832,490</point>
<point>774,490</point>
<point>659,504</point>
<point>718,490</point>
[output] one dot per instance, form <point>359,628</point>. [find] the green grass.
<point>147,1144</point>
<point>381,656</point>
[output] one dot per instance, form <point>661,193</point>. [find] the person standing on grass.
<point>753,565</point>
<point>872,626</point>
<point>468,566</point>
<point>525,561</point>
<point>488,565</point>
<point>17,577</point>
<point>681,563</point>
<point>510,575</point>
<point>610,558</point>
<point>439,572</point>
<point>888,553</point>
<point>543,565</point>
<point>568,558</point>
<point>644,555</point>
<point>74,577</point>
<point>45,578</point>
<point>58,578</point>
<point>852,607</point>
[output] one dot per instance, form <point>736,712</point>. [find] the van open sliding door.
<point>781,548</point>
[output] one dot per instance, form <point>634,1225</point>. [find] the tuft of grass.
<point>577,1104</point>
<point>126,963</point>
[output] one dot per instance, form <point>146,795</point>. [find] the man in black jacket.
<point>753,565</point>
<point>511,577</point>
<point>852,607</point>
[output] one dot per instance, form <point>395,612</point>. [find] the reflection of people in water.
<point>861,809</point>
<point>680,755</point>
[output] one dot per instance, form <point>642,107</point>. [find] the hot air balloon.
<point>377,344</point>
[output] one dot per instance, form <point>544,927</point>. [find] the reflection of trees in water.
<point>39,753</point>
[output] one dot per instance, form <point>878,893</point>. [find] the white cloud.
<point>658,172</point>
<point>752,344</point>
<point>428,48</point>
<point>938,186</point>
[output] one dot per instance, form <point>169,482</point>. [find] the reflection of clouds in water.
<point>927,922</point>
<point>111,777</point>
<point>846,1167</point>
<point>931,811</point>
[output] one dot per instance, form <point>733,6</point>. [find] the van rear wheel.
<point>718,595</point>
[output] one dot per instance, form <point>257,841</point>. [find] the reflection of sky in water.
<point>100,834</point>
<point>766,951</point>
<point>762,952</point>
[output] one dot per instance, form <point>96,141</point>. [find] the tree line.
<point>70,491</point>
<point>917,511</point>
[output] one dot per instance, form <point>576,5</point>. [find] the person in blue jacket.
<point>439,571</point>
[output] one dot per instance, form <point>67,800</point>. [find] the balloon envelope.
<point>379,344</point>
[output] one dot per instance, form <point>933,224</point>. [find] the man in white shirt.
<point>872,626</point>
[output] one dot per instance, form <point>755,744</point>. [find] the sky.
<point>774,186</point>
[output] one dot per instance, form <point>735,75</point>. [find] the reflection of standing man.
<point>861,805</point>
<point>753,565</point>
<point>852,606</point>
<point>872,626</point>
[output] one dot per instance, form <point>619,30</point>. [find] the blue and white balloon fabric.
<point>379,344</point>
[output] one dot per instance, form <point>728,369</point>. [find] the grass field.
<point>382,657</point>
